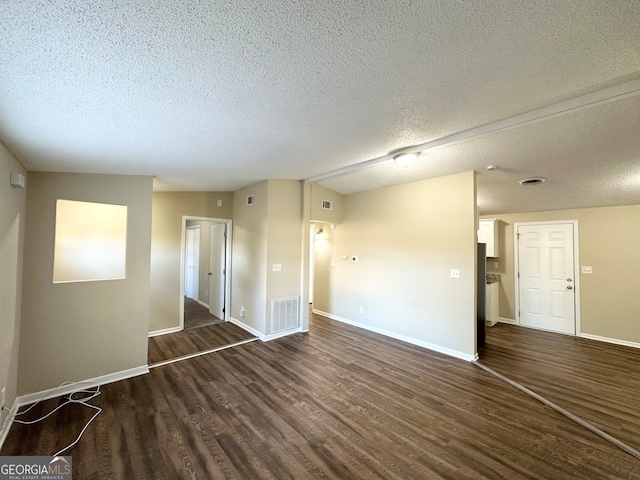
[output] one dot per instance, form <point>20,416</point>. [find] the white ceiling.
<point>217,95</point>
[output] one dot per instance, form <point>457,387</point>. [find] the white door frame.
<point>576,267</point>
<point>220,254</point>
<point>227,299</point>
<point>196,260</point>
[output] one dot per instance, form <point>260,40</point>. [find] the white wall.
<point>407,238</point>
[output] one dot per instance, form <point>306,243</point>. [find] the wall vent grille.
<point>284,314</point>
<point>250,200</point>
<point>327,204</point>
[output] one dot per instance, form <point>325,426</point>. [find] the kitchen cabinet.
<point>492,303</point>
<point>488,234</point>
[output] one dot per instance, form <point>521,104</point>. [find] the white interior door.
<point>191,264</point>
<point>546,283</point>
<point>217,271</point>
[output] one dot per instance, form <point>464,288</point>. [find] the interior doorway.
<point>205,283</point>
<point>547,284</point>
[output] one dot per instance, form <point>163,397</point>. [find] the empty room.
<point>344,240</point>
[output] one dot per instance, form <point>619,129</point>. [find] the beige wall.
<point>608,241</point>
<point>318,214</point>
<point>12,221</point>
<point>249,264</point>
<point>166,238</point>
<point>407,238</point>
<point>322,256</point>
<point>77,331</point>
<point>266,233</point>
<point>284,237</point>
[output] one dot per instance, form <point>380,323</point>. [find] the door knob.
<point>569,280</point>
<point>569,287</point>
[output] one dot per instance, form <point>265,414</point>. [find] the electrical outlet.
<point>455,273</point>
<point>241,312</point>
<point>495,264</point>
<point>361,309</point>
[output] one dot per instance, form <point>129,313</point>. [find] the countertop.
<point>492,277</point>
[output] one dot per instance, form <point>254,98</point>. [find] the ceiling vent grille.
<point>250,200</point>
<point>532,181</point>
<point>284,314</point>
<point>327,204</point>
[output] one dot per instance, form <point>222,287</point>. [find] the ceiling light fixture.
<point>406,159</point>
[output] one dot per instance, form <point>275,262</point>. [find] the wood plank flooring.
<point>338,403</point>
<point>196,315</point>
<point>596,381</point>
<point>186,342</point>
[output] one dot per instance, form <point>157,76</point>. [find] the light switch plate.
<point>455,273</point>
<point>277,267</point>
<point>587,269</point>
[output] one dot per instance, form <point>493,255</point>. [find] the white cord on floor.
<point>70,399</point>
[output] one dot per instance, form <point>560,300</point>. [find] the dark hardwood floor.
<point>596,381</point>
<point>196,315</point>
<point>337,402</point>
<point>187,342</point>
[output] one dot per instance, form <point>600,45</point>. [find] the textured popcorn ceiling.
<point>216,95</point>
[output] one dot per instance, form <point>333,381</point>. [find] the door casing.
<point>576,267</point>
<point>192,250</point>
<point>217,270</point>
<point>227,293</point>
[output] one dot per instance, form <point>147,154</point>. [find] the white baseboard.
<point>625,343</point>
<point>286,333</point>
<point>246,327</point>
<point>164,331</point>
<point>203,304</point>
<point>262,336</point>
<point>6,425</point>
<point>411,340</point>
<point>89,383</point>
<point>510,321</point>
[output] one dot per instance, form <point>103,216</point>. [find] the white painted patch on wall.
<point>284,314</point>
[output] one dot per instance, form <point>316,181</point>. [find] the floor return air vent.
<point>285,314</point>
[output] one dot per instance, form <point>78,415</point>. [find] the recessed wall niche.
<point>90,242</point>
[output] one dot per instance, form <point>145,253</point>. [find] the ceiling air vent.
<point>532,181</point>
<point>250,200</point>
<point>327,204</point>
